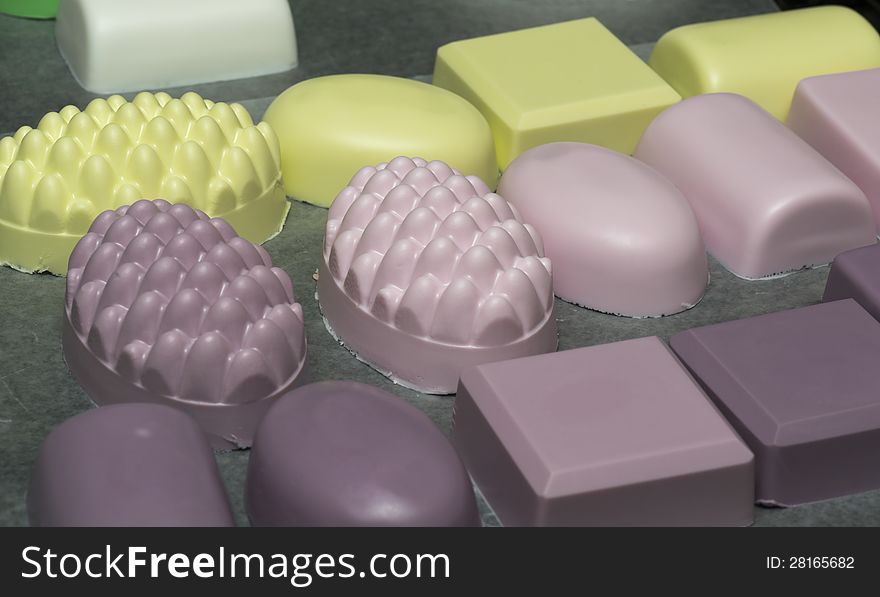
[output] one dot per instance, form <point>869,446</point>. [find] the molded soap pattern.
<point>425,271</point>
<point>56,178</point>
<point>167,305</point>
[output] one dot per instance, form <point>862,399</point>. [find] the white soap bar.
<point>115,46</point>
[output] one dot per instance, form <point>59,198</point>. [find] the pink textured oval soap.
<point>167,305</point>
<point>622,238</point>
<point>426,272</point>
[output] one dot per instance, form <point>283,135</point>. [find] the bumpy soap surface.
<point>54,179</point>
<point>425,272</point>
<point>167,305</point>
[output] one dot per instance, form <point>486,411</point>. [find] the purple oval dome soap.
<point>622,238</point>
<point>127,465</point>
<point>426,272</point>
<point>767,202</point>
<point>167,305</point>
<point>348,454</point>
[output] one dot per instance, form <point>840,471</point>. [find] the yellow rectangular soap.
<point>763,57</point>
<point>572,81</point>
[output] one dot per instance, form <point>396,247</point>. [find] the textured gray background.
<point>390,37</point>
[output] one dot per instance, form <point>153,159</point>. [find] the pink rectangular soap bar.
<point>767,202</point>
<point>617,434</point>
<point>838,116</point>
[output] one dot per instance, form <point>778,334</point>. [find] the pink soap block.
<point>838,116</point>
<point>767,202</point>
<point>426,272</point>
<point>617,434</point>
<point>622,238</point>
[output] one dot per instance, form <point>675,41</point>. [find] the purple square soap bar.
<point>801,387</point>
<point>617,434</point>
<point>856,274</point>
<point>766,201</point>
<point>837,115</point>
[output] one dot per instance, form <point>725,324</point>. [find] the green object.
<point>32,9</point>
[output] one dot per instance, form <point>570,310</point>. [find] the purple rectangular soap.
<point>801,387</point>
<point>617,434</point>
<point>855,274</point>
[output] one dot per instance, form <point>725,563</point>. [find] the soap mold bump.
<point>426,272</point>
<point>167,305</point>
<point>56,178</point>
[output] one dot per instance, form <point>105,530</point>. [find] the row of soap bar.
<point>350,121</point>
<point>54,179</point>
<point>523,81</point>
<point>495,288</point>
<point>617,434</point>
<point>623,433</point>
<point>489,71</point>
<point>425,272</point>
<point>327,454</point>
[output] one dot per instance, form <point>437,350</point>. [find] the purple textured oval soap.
<point>348,454</point>
<point>167,305</point>
<point>426,272</point>
<point>127,465</point>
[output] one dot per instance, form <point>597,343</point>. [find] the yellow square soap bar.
<point>572,81</point>
<point>763,57</point>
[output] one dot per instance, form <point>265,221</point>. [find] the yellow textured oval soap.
<point>56,178</point>
<point>330,127</point>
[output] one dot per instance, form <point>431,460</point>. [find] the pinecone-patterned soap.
<point>167,305</point>
<point>426,272</point>
<point>54,179</point>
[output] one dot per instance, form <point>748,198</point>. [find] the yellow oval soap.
<point>330,127</point>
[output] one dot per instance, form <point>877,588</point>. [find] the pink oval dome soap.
<point>167,305</point>
<point>622,238</point>
<point>426,272</point>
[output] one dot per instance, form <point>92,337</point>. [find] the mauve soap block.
<point>801,387</point>
<point>766,201</point>
<point>348,454</point>
<point>127,465</point>
<point>837,115</point>
<point>855,274</point>
<point>617,434</point>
